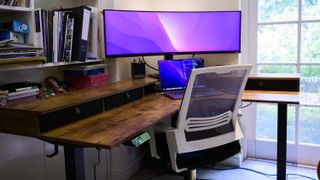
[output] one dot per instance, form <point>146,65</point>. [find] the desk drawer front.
<point>123,98</point>
<point>58,118</point>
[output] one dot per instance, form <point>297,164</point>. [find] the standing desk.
<point>113,127</point>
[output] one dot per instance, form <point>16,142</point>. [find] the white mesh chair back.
<point>208,114</point>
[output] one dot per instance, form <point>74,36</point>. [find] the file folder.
<point>80,35</point>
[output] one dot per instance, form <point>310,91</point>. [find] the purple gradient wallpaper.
<point>138,32</point>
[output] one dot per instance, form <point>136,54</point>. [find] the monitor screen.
<point>174,74</point>
<point>133,33</point>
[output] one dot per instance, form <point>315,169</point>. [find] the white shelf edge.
<point>15,8</point>
<point>70,63</point>
<point>47,65</point>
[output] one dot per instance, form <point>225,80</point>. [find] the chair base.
<point>191,174</point>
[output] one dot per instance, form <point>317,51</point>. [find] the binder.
<point>38,40</point>
<point>81,30</point>
<point>49,27</point>
<point>93,39</point>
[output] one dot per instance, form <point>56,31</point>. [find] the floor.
<point>244,173</point>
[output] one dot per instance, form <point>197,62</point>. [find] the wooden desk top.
<point>115,126</point>
<point>288,97</point>
<point>80,96</point>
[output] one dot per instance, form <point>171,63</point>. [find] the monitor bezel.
<point>170,53</point>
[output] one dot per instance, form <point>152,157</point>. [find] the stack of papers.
<point>18,92</point>
<point>15,55</point>
<point>3,97</point>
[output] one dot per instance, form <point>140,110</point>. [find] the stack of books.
<point>86,76</point>
<point>13,45</point>
<point>18,92</point>
<point>12,55</point>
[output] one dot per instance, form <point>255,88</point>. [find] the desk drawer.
<point>123,98</point>
<point>58,118</point>
<point>273,85</point>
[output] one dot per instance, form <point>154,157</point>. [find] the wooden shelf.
<point>4,8</point>
<point>46,65</point>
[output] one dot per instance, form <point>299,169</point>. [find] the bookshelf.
<point>26,14</point>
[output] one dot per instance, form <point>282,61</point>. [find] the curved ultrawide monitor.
<point>136,33</point>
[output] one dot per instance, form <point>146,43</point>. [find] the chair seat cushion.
<point>196,159</point>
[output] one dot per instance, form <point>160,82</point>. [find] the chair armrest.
<point>161,127</point>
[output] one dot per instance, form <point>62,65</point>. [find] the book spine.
<point>68,38</point>
<point>55,36</point>
<point>38,32</point>
<point>44,31</point>
<point>61,35</point>
<point>22,95</point>
<point>29,90</point>
<point>92,51</point>
<point>50,36</point>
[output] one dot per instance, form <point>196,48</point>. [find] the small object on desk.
<point>79,82</point>
<point>86,75</point>
<point>138,70</point>
<point>140,139</point>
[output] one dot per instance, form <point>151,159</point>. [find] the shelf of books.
<point>55,38</point>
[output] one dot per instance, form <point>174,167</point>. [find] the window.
<point>288,41</point>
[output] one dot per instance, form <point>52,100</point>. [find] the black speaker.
<point>138,70</point>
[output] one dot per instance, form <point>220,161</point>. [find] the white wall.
<point>25,148</point>
<point>122,65</point>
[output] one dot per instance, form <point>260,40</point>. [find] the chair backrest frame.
<point>182,144</point>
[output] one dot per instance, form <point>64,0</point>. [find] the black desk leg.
<point>282,141</point>
<point>74,164</point>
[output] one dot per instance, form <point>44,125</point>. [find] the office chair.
<point>206,130</point>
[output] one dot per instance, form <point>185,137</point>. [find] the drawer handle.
<point>77,110</point>
<point>128,95</point>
